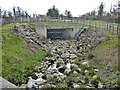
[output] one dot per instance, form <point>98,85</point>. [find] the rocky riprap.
<point>64,65</point>
<point>66,61</point>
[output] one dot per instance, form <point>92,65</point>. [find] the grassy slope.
<point>106,59</point>
<point>17,60</point>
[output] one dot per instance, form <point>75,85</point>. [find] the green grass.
<point>106,59</point>
<point>112,35</point>
<point>101,22</point>
<point>18,61</point>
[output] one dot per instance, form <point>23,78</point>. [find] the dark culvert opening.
<point>59,33</point>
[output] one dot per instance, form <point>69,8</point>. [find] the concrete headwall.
<point>6,84</point>
<point>42,32</point>
<point>71,32</point>
<point>1,22</point>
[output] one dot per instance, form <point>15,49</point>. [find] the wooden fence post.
<point>109,28</point>
<point>89,24</point>
<point>117,30</point>
<point>113,29</point>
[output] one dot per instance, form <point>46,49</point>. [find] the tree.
<point>14,12</point>
<point>114,12</point>
<point>68,14</point>
<point>53,12</point>
<point>100,11</point>
<point>10,14</point>
<point>93,13</point>
<point>0,12</point>
<point>19,11</point>
<point>26,14</point>
<point>4,14</point>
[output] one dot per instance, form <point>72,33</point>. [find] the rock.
<point>72,56</point>
<point>67,71</point>
<point>49,76</point>
<point>31,82</point>
<point>40,82</point>
<point>82,81</point>
<point>62,68</point>
<point>58,50</point>
<point>100,85</point>
<point>23,86</point>
<point>51,71</point>
<point>79,69</point>
<point>76,86</point>
<point>68,65</point>
<point>96,70</point>
<point>50,42</point>
<point>85,63</point>
<point>74,72</point>
<point>73,65</point>
<point>90,87</point>
<point>53,66</point>
<point>34,76</point>
<point>39,74</point>
<point>94,76</point>
<point>86,72</point>
<point>61,74</point>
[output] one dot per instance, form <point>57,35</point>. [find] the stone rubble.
<point>63,53</point>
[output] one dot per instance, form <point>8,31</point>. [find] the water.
<point>68,65</point>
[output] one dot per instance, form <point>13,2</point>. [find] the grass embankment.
<point>18,61</point>
<point>106,59</point>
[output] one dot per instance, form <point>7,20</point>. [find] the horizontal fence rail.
<point>111,27</point>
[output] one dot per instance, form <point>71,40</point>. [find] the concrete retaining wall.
<point>71,32</point>
<point>6,84</point>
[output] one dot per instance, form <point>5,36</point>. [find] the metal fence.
<point>47,22</point>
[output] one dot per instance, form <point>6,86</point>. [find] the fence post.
<point>95,24</point>
<point>13,19</point>
<point>89,24</point>
<point>117,30</point>
<point>113,29</point>
<point>99,25</point>
<point>45,30</point>
<point>109,28</point>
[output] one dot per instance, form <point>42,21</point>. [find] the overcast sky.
<point>77,7</point>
